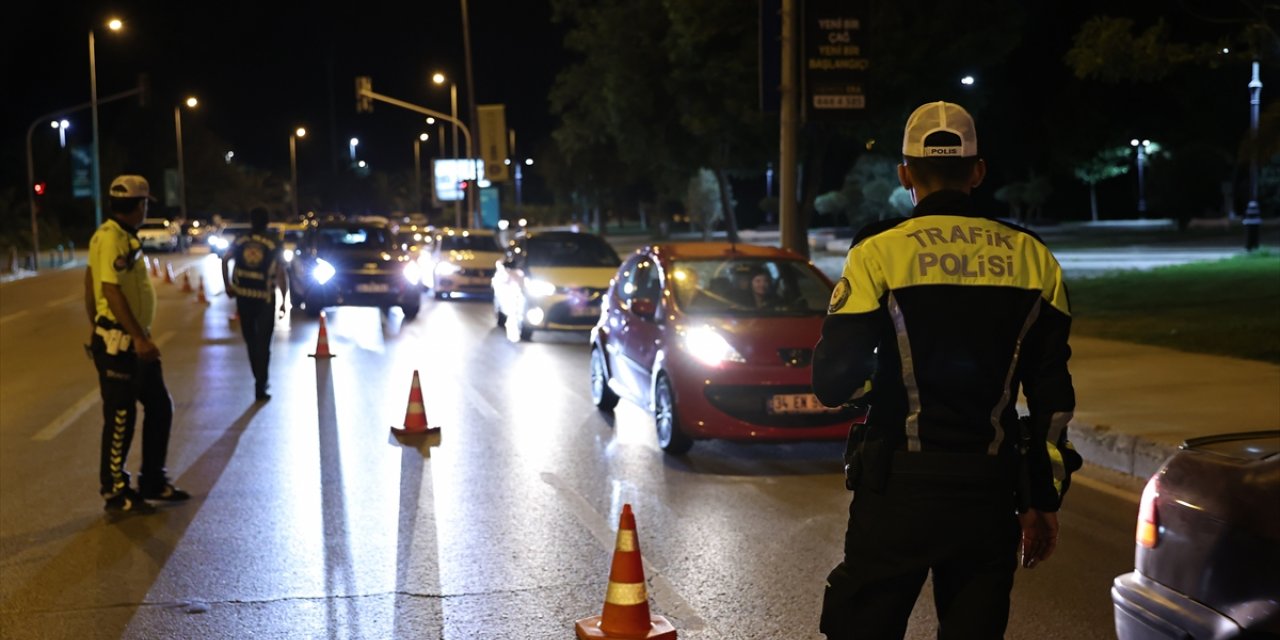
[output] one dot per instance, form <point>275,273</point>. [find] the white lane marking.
<point>73,413</point>
<point>1103,487</point>
<point>13,316</point>
<point>663,591</point>
<point>66,300</point>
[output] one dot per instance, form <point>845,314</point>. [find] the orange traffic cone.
<point>626,604</point>
<point>168,273</point>
<point>186,282</point>
<point>322,342</point>
<point>155,267</point>
<point>200,297</point>
<point>415,416</point>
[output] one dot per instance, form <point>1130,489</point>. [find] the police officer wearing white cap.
<point>936,323</point>
<point>121,303</point>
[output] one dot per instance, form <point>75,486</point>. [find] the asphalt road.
<point>309,521</point>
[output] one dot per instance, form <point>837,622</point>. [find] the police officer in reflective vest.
<point>258,272</point>
<point>121,304</point>
<point>936,323</point>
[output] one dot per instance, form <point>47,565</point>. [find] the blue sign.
<point>81,171</point>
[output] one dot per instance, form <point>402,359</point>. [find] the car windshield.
<point>353,238</point>
<point>749,286</point>
<point>578,250</point>
<point>469,242</point>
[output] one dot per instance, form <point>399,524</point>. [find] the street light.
<point>417,169</point>
<point>300,132</point>
<point>115,25</point>
<point>352,146</point>
<point>1252,213</point>
<point>439,79</point>
<point>182,172</point>
<point>61,126</point>
<point>967,81</point>
<point>1141,146</point>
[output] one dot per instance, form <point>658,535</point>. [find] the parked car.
<point>1207,561</point>
<point>354,262</point>
<point>716,340</point>
<point>552,281</point>
<point>223,239</point>
<point>462,262</point>
<point>159,234</point>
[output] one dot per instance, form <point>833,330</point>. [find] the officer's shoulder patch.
<point>840,295</point>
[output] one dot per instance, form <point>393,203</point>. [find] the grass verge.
<point>1229,307</point>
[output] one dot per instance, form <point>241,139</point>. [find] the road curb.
<point>1129,454</point>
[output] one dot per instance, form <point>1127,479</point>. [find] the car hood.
<point>574,277</point>
<point>472,259</point>
<point>762,340</point>
<point>154,232</point>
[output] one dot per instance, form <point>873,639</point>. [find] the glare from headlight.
<point>534,315</point>
<point>218,241</point>
<point>288,256</point>
<point>539,288</point>
<point>412,272</point>
<point>447,268</point>
<point>707,346</point>
<point>323,271</point>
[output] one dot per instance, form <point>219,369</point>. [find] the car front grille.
<point>476,273</point>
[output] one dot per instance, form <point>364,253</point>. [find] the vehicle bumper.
<point>477,285</point>
<point>1148,610</point>
<point>565,313</point>
<point>350,296</point>
<point>733,403</point>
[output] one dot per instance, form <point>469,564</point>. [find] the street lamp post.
<point>417,170</point>
<point>1141,146</point>
<point>114,25</point>
<point>300,132</point>
<point>182,173</point>
<point>1252,212</point>
<point>61,126</point>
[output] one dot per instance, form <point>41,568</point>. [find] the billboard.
<point>449,174</point>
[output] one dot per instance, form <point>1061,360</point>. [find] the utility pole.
<point>788,220</point>
<point>1252,212</point>
<point>473,150</point>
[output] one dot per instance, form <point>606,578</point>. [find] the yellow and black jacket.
<point>940,318</point>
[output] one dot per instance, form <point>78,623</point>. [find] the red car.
<point>716,340</point>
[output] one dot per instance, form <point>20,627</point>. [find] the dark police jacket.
<point>257,256</point>
<point>939,319</point>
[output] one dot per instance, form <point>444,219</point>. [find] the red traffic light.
<point>40,188</point>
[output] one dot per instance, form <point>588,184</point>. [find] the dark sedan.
<point>355,263</point>
<point>1208,544</point>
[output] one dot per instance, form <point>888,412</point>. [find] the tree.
<point>1106,164</point>
<point>702,200</point>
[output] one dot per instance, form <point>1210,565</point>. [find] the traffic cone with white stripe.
<point>415,416</point>
<point>155,267</point>
<point>626,603</point>
<point>186,282</point>
<point>200,297</point>
<point>322,342</point>
<point>168,273</point>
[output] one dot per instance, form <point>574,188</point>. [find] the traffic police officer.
<point>936,322</point>
<point>121,306</point>
<point>259,270</point>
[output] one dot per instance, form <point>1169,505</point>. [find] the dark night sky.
<point>261,69</point>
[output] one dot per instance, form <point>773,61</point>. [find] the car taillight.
<point>1148,534</point>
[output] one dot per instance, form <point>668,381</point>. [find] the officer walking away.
<point>258,272</point>
<point>936,323</point>
<point>121,304</point>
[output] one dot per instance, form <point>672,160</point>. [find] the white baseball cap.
<point>130,186</point>
<point>940,117</point>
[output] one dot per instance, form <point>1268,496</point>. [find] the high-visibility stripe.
<point>1006,393</point>
<point>908,375</point>
<point>627,541</point>
<point>626,594</point>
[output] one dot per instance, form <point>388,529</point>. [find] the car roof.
<point>706,250</point>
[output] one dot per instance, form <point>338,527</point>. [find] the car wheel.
<point>670,437</point>
<point>603,397</point>
<point>410,312</point>
<point>498,315</point>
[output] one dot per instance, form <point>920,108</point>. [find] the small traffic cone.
<point>322,342</point>
<point>415,416</point>
<point>200,297</point>
<point>186,282</point>
<point>155,267</point>
<point>168,273</point>
<point>626,604</point>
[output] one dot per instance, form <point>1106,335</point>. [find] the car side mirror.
<point>644,307</point>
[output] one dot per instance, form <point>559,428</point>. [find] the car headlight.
<point>323,271</point>
<point>218,242</point>
<point>707,346</point>
<point>447,268</point>
<point>412,272</point>
<point>288,256</point>
<point>539,288</point>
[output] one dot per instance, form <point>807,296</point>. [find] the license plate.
<point>583,311</point>
<point>373,287</point>
<point>797,403</point>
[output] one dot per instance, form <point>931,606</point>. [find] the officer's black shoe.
<point>128,501</point>
<point>165,492</point>
<point>262,396</point>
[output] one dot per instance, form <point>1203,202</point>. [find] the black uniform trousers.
<point>962,529</point>
<point>126,380</point>
<point>257,323</point>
